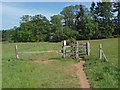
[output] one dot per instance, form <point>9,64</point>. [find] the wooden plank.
<point>100,51</point>
<point>64,49</point>
<point>77,50</point>
<point>104,56</point>
<point>73,49</point>
<point>16,51</point>
<point>38,52</point>
<point>64,43</point>
<point>88,48</point>
<point>67,46</point>
<point>68,52</point>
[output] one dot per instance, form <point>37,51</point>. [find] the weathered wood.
<point>104,56</point>
<point>64,49</point>
<point>77,50</point>
<point>100,51</point>
<point>16,51</point>
<point>67,46</point>
<point>88,48</point>
<point>64,43</point>
<point>38,52</point>
<point>68,51</point>
<point>73,49</point>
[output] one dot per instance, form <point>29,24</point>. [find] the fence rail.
<point>76,50</point>
<point>38,52</point>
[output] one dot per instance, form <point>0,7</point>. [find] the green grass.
<point>103,74</point>
<point>23,73</point>
<point>61,73</point>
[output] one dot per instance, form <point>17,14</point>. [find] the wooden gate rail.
<point>76,49</point>
<point>17,53</point>
<point>38,52</point>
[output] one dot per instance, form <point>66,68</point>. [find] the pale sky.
<point>12,10</point>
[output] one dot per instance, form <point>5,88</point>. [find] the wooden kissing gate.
<point>75,49</point>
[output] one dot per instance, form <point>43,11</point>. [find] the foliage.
<point>73,21</point>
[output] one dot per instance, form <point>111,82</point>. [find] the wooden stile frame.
<point>74,49</point>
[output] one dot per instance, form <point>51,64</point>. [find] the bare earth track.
<point>81,74</point>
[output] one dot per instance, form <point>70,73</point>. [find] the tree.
<point>117,19</point>
<point>104,13</point>
<point>57,26</point>
<point>68,14</point>
<point>25,18</point>
<point>68,33</point>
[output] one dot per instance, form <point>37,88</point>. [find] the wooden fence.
<point>101,52</point>
<point>17,53</point>
<point>76,50</point>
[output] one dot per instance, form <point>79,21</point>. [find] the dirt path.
<point>81,74</point>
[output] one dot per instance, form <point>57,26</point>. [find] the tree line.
<point>77,22</point>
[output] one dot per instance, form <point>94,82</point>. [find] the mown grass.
<point>103,74</point>
<point>23,73</point>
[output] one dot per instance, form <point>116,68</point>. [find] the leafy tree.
<point>68,33</point>
<point>57,26</point>
<point>117,19</point>
<point>68,14</point>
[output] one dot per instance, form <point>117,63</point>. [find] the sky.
<point>12,11</point>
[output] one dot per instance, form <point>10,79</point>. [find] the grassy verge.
<point>103,74</point>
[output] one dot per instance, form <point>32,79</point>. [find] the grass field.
<point>25,73</point>
<point>61,73</point>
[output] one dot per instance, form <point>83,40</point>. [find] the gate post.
<point>16,51</point>
<point>64,49</point>
<point>88,48</point>
<point>77,50</point>
<point>100,52</point>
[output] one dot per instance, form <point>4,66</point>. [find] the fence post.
<point>77,50</point>
<point>72,49</point>
<point>100,52</point>
<point>64,49</point>
<point>16,51</point>
<point>88,48</point>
